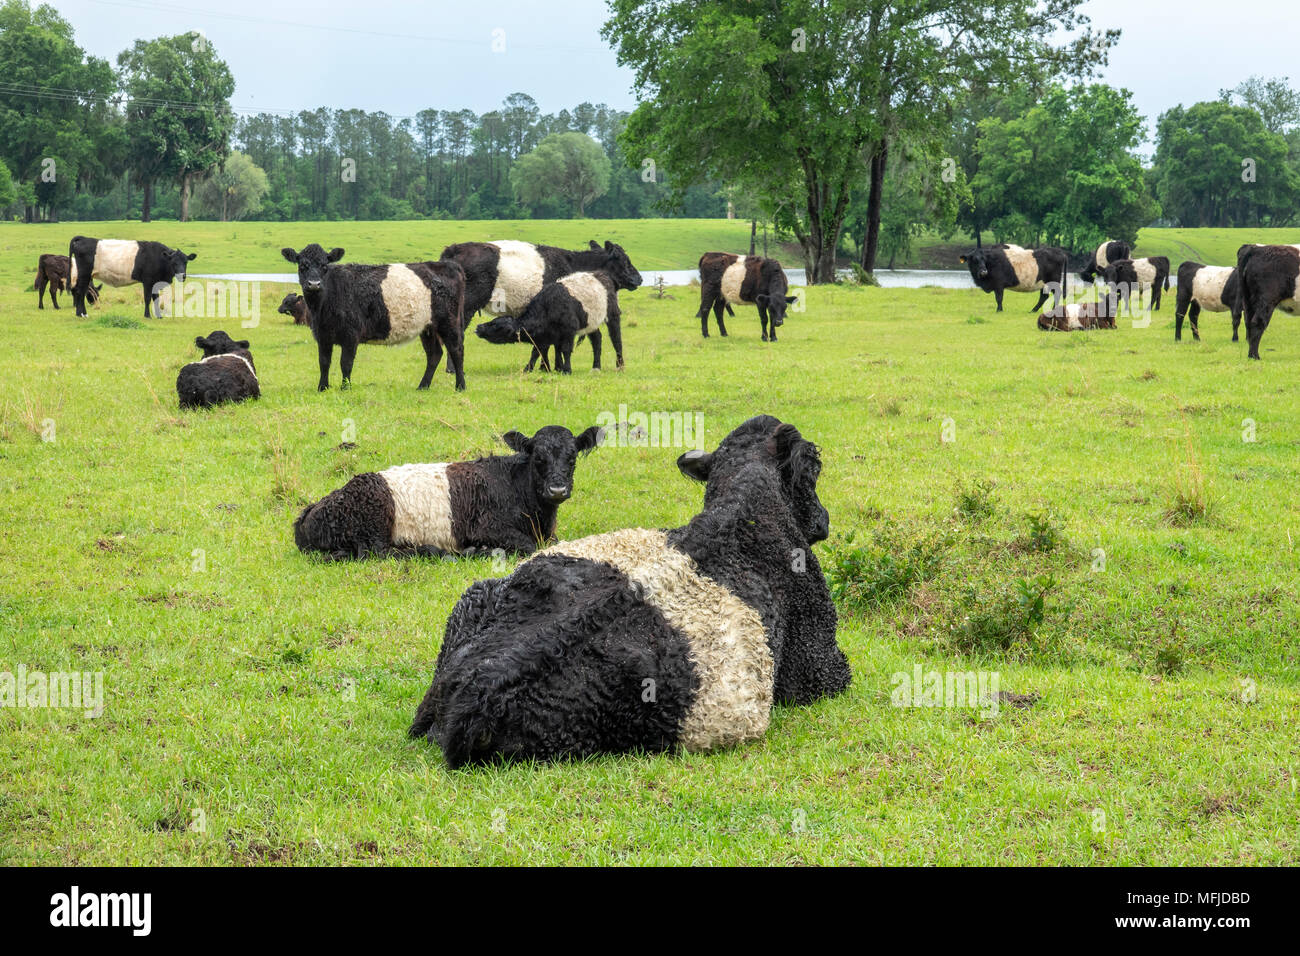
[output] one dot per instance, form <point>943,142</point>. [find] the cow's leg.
<point>40,293</point>
<point>709,293</point>
<point>762,322</point>
<point>615,326</point>
<point>149,299</point>
<point>1236,321</point>
<point>718,306</point>
<point>456,361</point>
<point>55,288</point>
<point>432,355</point>
<point>1042,297</point>
<point>563,354</point>
<point>1194,313</point>
<point>347,353</point>
<point>1256,322</point>
<point>325,355</point>
<point>532,359</point>
<point>997,294</point>
<point>595,349</point>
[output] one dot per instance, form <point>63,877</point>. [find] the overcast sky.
<point>402,56</point>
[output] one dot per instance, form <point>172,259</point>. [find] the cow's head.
<point>777,303</point>
<point>92,292</point>
<point>313,262</point>
<point>552,456</point>
<point>978,265</point>
<point>219,343</point>
<point>176,262</point>
<point>292,304</point>
<point>770,443</point>
<point>618,265</point>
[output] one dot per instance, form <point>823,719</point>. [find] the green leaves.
<point>572,165</point>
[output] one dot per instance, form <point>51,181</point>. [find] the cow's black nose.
<point>311,285</point>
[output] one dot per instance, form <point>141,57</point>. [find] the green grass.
<point>271,692</point>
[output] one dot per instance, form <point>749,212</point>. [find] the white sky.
<point>402,56</point>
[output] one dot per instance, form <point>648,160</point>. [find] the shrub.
<point>1009,618</point>
<point>883,570</point>
<point>975,501</point>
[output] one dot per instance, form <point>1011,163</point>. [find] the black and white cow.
<point>576,305</point>
<point>388,305</point>
<point>121,262</point>
<point>726,279</point>
<point>295,306</point>
<point>648,640</point>
<point>1079,316</point>
<point>1006,266</point>
<point>1270,279</point>
<point>465,507</point>
<point>226,373</point>
<point>1109,251</point>
<point>1212,288</point>
<point>55,271</point>
<point>1126,276</point>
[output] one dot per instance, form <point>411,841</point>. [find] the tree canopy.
<point>571,165</point>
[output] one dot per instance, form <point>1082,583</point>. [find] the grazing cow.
<point>226,373</point>
<point>502,501</point>
<point>295,305</point>
<point>643,640</point>
<point>1005,266</point>
<point>726,278</point>
<point>1078,316</point>
<point>120,262</point>
<point>1212,288</point>
<point>55,271</point>
<point>577,305</point>
<point>1143,275</point>
<point>390,305</point>
<point>1270,279</point>
<point>1108,252</point>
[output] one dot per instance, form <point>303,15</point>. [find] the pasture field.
<point>1106,521</point>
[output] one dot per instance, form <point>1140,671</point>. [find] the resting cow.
<point>1004,266</point>
<point>646,640</point>
<point>121,262</point>
<point>1078,316</point>
<point>1212,288</point>
<point>226,373</point>
<point>726,279</point>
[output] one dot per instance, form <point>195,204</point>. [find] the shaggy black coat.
<point>1188,307</point>
<point>552,661</point>
<point>764,284</point>
<point>992,271</point>
<point>55,271</point>
<point>1268,281</point>
<point>1116,249</point>
<point>295,306</point>
<point>1122,277</point>
<point>554,318</point>
<point>346,306</point>
<point>480,261</point>
<point>218,380</point>
<point>506,502</point>
<point>155,265</point>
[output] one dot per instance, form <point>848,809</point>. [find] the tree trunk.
<point>871,242</point>
<point>185,196</point>
<point>146,203</point>
<point>753,236</point>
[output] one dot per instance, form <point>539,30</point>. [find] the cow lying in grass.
<point>643,640</point>
<point>389,305</point>
<point>121,262</point>
<point>295,306</point>
<point>1270,280</point>
<point>1078,316</point>
<point>55,271</point>
<point>1005,267</point>
<point>502,501</point>
<point>1212,288</point>
<point>564,311</point>
<point>1109,251</point>
<point>1127,276</point>
<point>726,279</point>
<point>225,374</point>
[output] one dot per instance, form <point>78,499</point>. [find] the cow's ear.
<point>593,245</point>
<point>242,344</point>
<point>696,464</point>
<point>784,441</point>
<point>289,254</point>
<point>762,298</point>
<point>201,342</point>
<point>517,441</point>
<point>191,257</point>
<point>609,246</point>
<point>589,439</point>
<point>335,254</point>
<point>791,298</point>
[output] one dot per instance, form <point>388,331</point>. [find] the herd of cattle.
<point>1266,278</point>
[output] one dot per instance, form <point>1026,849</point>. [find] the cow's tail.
<point>1244,255</point>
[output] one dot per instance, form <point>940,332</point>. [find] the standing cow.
<point>726,278</point>
<point>563,312</point>
<point>1004,266</point>
<point>1270,279</point>
<point>1212,288</point>
<point>389,305</point>
<point>1108,252</point>
<point>55,271</point>
<point>1141,275</point>
<point>121,262</point>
